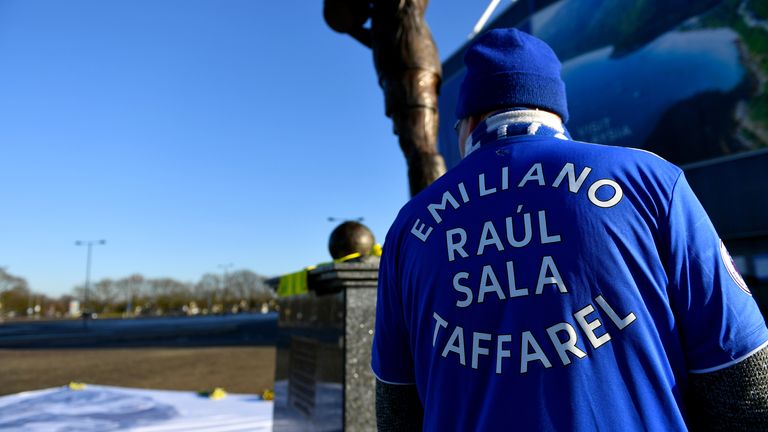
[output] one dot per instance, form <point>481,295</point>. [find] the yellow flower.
<point>76,385</point>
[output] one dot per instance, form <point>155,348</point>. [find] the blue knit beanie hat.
<point>509,68</point>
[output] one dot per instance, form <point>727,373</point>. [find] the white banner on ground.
<point>103,408</point>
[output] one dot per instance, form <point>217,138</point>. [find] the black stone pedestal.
<point>323,380</point>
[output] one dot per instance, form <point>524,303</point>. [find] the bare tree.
<point>249,289</point>
<point>130,290</point>
<point>246,290</point>
<point>15,294</point>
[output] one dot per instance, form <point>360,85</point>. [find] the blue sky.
<point>189,134</point>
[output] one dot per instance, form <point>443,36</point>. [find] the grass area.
<point>756,41</point>
<point>236,369</point>
<point>758,107</point>
<point>760,8</point>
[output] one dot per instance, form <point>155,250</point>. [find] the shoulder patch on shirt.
<point>731,267</point>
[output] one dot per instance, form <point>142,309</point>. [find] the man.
<point>548,284</point>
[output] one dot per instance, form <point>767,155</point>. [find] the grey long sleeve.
<point>398,408</point>
<point>734,398</point>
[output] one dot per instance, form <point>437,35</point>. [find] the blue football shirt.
<point>545,284</point>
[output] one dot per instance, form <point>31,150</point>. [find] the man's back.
<point>552,284</point>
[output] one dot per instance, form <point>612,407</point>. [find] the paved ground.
<point>236,369</point>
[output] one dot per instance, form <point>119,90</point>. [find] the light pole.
<point>2,270</point>
<point>225,267</point>
<point>89,244</point>
<point>337,219</point>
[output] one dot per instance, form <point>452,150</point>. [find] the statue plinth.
<point>323,379</point>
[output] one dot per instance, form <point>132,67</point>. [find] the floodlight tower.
<point>225,291</point>
<point>339,219</point>
<point>89,244</point>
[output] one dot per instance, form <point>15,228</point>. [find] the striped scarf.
<point>513,123</point>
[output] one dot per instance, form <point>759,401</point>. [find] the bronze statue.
<point>406,61</point>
